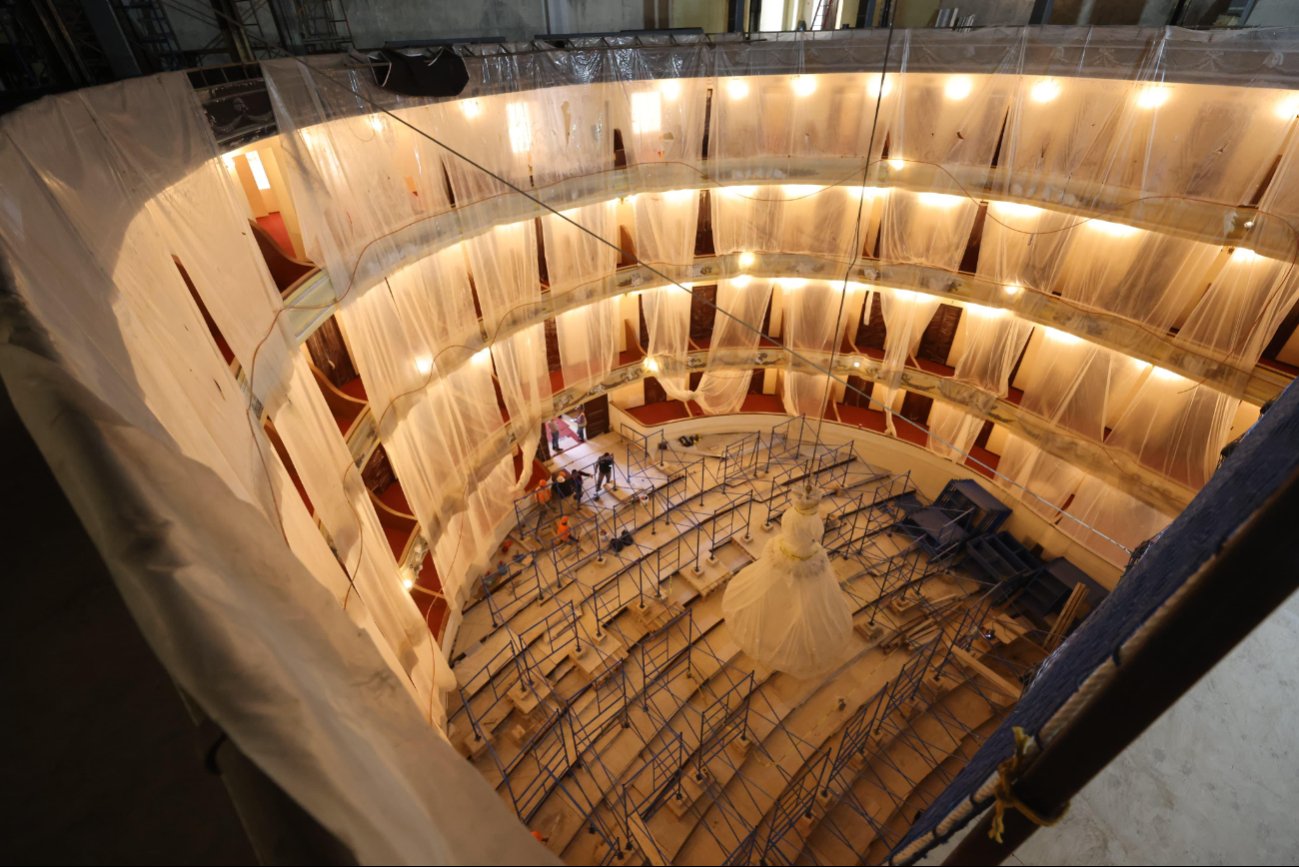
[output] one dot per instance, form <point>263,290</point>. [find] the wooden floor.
<point>606,700</point>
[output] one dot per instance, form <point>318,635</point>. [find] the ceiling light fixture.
<point>958,87</point>
<point>1116,230</point>
<point>1045,90</point>
<point>1153,96</point>
<point>874,88</point>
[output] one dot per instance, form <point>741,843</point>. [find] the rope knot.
<point>1005,792</point>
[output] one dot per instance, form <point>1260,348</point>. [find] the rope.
<point>1005,792</point>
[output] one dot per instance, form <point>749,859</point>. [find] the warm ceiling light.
<point>1168,375</point>
<point>874,88</point>
<point>742,192</point>
<point>1153,96</point>
<point>958,87</point>
<point>229,161</point>
<point>939,200</point>
<point>791,283</point>
<point>1244,254</point>
<point>906,295</point>
<point>308,137</point>
<point>737,88</point>
<point>631,200</point>
<point>1288,107</point>
<point>424,365</point>
<point>1012,289</point>
<point>739,281</point>
<point>746,259</point>
<point>646,112</point>
<point>471,108</point>
<point>1015,209</point>
<point>856,364</point>
<point>804,85</point>
<point>1062,336</point>
<point>986,312</point>
<point>801,191</point>
<point>865,192</point>
<point>375,122</point>
<point>1115,230</point>
<point>678,196</point>
<point>897,164</point>
<point>408,582</point>
<point>670,88</point>
<point>1045,90</point>
<point>651,365</point>
<point>516,113</point>
<point>259,171</point>
<point>482,356</point>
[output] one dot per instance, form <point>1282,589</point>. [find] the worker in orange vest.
<point>544,493</point>
<point>563,533</point>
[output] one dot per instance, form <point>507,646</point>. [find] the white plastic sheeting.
<point>162,453</point>
<point>1086,133</point>
<point>811,309</point>
<point>786,609</point>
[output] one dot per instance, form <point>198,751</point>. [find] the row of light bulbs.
<point>955,89</point>
<point>646,105</point>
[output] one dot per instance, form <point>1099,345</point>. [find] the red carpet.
<point>658,413</point>
<point>273,223</point>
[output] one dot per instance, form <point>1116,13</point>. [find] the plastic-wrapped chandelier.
<point>786,609</point>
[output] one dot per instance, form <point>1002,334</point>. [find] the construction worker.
<point>544,493</point>
<point>604,471</point>
<point>563,533</point>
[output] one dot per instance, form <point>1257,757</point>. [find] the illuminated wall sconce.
<point>740,281</point>
<point>424,365</point>
<point>375,122</point>
<point>737,88</point>
<point>897,164</point>
<point>747,259</point>
<point>670,88</point>
<point>1012,289</point>
<point>801,191</point>
<point>482,356</point>
<point>471,108</point>
<point>804,85</point>
<point>789,284</point>
<point>651,365</point>
<point>740,192</point>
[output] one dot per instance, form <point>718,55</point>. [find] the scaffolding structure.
<point>607,702</point>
